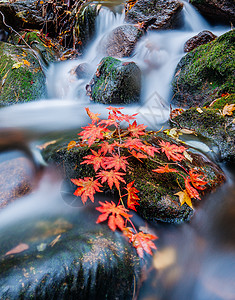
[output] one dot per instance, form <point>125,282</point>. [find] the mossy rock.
<point>48,51</point>
<point>206,73</point>
<point>66,256</point>
<point>85,25</point>
<point>115,82</point>
<point>21,76</point>
<point>211,124</point>
<point>158,201</point>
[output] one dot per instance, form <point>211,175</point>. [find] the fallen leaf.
<point>200,110</point>
<point>187,131</point>
<point>45,145</point>
<point>228,109</point>
<point>55,240</point>
<point>41,247</point>
<point>17,65</point>
<point>174,133</point>
<point>27,63</point>
<point>71,145</point>
<point>18,249</point>
<point>184,198</point>
<point>187,156</point>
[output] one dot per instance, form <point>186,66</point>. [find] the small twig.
<point>35,54</point>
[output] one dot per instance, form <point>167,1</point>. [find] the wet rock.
<point>205,73</point>
<point>211,124</point>
<point>201,38</point>
<point>121,41</point>
<point>83,70</point>
<point>158,201</point>
<point>115,82</point>
<point>65,256</point>
<point>16,179</point>
<point>156,14</point>
<point>216,10</point>
<point>85,25</point>
<point>3,35</point>
<point>21,76</point>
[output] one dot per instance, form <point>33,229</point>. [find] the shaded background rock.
<point>201,38</point>
<point>216,9</point>
<point>120,42</point>
<point>21,76</point>
<point>157,14</point>
<point>115,82</point>
<point>205,73</point>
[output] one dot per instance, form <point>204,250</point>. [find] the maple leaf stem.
<point>133,226</point>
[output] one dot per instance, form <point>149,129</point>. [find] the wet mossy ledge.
<point>158,201</point>
<point>210,122</point>
<point>65,256</point>
<point>206,73</point>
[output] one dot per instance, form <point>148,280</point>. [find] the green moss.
<point>221,102</point>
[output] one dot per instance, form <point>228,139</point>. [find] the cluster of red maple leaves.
<point>111,166</point>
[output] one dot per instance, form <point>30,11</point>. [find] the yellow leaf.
<point>187,156</point>
<point>27,63</point>
<point>184,198</point>
<point>71,145</point>
<point>187,131</point>
<point>174,133</point>
<point>228,109</point>
<point>199,110</point>
<point>17,65</point>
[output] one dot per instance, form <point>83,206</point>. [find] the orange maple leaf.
<point>93,132</point>
<point>87,187</point>
<point>138,155</point>
<point>131,143</point>
<point>193,193</point>
<point>132,198</point>
<point>117,214</point>
<point>93,117</point>
<point>117,162</point>
<point>197,179</point>
<point>136,130</point>
<point>113,177</point>
<point>164,169</point>
<point>141,241</point>
<point>107,148</point>
<point>172,151</point>
<point>97,160</point>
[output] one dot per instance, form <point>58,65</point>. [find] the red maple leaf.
<point>117,212</point>
<point>127,118</point>
<point>138,155</point>
<point>93,117</point>
<point>164,169</point>
<point>117,162</point>
<point>141,241</point>
<point>132,198</point>
<point>87,187</point>
<point>172,151</point>
<point>112,177</point>
<point>197,179</point>
<point>136,130</point>
<point>150,150</point>
<point>93,132</point>
<point>97,160</point>
<point>193,193</point>
<point>107,148</point>
<point>131,143</point>
<point>115,109</point>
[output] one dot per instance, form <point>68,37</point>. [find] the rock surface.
<point>206,73</point>
<point>115,82</point>
<point>21,76</point>
<point>121,41</point>
<point>223,10</point>
<point>201,38</point>
<point>157,14</point>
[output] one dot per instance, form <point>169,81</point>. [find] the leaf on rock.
<point>17,65</point>
<point>184,198</point>
<point>172,151</point>
<point>112,177</point>
<point>136,130</point>
<point>228,110</point>
<point>18,249</point>
<point>93,132</point>
<point>97,160</point>
<point>164,169</point>
<point>117,162</point>
<point>132,197</point>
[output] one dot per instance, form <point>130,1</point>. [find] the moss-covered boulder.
<point>206,73</point>
<point>66,256</point>
<point>115,82</point>
<point>213,123</point>
<point>121,41</point>
<point>153,15</point>
<point>21,76</point>
<point>157,191</point>
<point>216,10</point>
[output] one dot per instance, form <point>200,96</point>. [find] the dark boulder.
<point>115,82</point>
<point>222,10</point>
<point>157,14</point>
<point>121,41</point>
<point>201,38</point>
<point>206,73</point>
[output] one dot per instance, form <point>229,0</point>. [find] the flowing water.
<point>195,261</point>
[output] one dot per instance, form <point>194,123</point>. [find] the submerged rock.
<point>121,41</point>
<point>21,76</point>
<point>216,9</point>
<point>210,123</point>
<point>66,256</point>
<point>157,192</point>
<point>157,14</point>
<point>205,73</point>
<point>115,82</point>
<point>201,38</point>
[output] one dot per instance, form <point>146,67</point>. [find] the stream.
<point>194,261</point>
